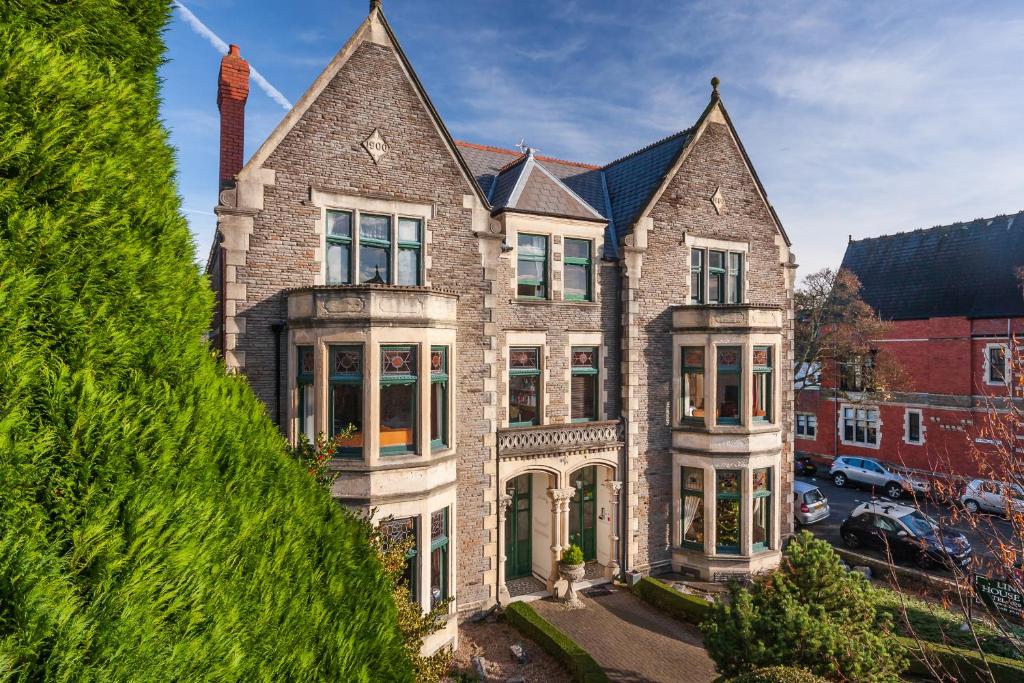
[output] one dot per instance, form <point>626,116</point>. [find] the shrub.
<point>810,613</point>
<point>572,555</point>
<point>152,526</point>
<point>679,605</point>
<point>557,644</point>
<point>778,674</point>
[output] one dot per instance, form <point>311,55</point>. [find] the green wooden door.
<point>583,512</point>
<point>518,549</point>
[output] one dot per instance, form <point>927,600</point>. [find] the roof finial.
<point>376,5</point>
<point>714,87</point>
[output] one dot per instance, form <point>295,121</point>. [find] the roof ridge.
<point>511,164</point>
<point>940,227</point>
<point>538,157</point>
<point>649,146</point>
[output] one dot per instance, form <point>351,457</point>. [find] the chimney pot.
<point>232,92</point>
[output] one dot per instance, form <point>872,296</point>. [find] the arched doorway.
<point>519,528</point>
<point>583,511</point>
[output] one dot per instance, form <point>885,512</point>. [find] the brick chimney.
<point>232,91</point>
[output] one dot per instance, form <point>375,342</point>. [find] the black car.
<point>804,467</point>
<point>907,533</point>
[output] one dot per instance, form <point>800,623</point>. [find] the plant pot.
<point>571,573</point>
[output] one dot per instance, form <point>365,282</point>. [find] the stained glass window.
<point>728,389</point>
<point>693,384</point>
<point>763,384</point>
<point>583,389</point>
<point>762,492</point>
<point>438,397</point>
<point>398,400</point>
<point>692,485</point>
<point>727,511</point>
<point>399,531</point>
<point>524,387</point>
<point>346,399</point>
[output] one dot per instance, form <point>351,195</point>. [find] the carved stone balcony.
<point>580,437</point>
<point>352,305</point>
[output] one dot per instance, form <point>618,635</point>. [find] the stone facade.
<point>276,301</point>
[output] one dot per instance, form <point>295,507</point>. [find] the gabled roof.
<point>964,269</point>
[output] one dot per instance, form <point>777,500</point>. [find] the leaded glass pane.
<point>438,361</point>
<point>693,357</point>
<point>762,479</point>
<point>375,227</point>
<point>761,356</point>
<point>583,358</point>
<point>347,360</point>
<point>728,358</point>
<point>693,479</point>
<point>396,531</point>
<point>728,481</point>
<point>399,360</point>
<point>305,361</point>
<point>438,524</point>
<point>524,359</point>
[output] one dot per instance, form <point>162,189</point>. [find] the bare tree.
<point>835,333</point>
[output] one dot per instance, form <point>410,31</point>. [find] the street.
<point>842,501</point>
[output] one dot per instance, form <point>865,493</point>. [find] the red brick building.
<point>954,300</point>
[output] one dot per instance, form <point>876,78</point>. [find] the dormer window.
<point>532,266</point>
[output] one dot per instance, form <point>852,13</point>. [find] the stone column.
<point>559,530</point>
<point>504,502</point>
<point>611,570</point>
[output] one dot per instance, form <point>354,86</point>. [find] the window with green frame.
<point>374,249</point>
<point>691,484</point>
<point>438,556</point>
<point>734,285</point>
<point>697,276</point>
<point>438,397</point>
<point>397,531</point>
<point>583,389</point>
<point>716,277</point>
<point>410,243</point>
<point>524,386</point>
<point>728,389</point>
<point>762,493</point>
<point>763,384</point>
<point>728,499</point>
<point>307,403</point>
<point>692,398</point>
<point>339,247</point>
<point>398,374</point>
<point>532,266</point>
<point>578,270</point>
<point>346,399</point>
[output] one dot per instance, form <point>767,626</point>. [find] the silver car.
<point>809,505</point>
<point>993,496</point>
<point>869,472</point>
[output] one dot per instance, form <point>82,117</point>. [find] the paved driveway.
<point>632,641</point>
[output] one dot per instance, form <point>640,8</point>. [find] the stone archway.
<point>593,516</point>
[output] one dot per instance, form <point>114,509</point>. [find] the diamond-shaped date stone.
<point>375,145</point>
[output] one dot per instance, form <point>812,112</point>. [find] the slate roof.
<point>964,269</point>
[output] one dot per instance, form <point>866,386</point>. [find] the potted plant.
<point>571,568</point>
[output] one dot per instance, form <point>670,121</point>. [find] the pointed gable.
<point>539,191</point>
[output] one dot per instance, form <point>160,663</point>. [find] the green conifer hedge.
<point>152,527</point>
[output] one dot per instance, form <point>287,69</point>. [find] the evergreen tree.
<point>152,525</point>
<point>811,613</point>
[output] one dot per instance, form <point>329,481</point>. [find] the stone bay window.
<point>398,400</point>
<point>346,399</point>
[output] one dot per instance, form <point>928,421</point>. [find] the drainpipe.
<point>277,329</point>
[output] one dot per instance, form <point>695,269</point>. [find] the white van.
<point>809,504</point>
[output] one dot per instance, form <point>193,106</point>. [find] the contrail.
<point>222,47</point>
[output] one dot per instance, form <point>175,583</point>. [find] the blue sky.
<point>862,118</point>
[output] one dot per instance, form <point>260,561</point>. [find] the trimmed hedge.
<point>966,665</point>
<point>560,646</point>
<point>679,605</point>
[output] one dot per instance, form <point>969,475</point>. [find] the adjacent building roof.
<point>964,269</point>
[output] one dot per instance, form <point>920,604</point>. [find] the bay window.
<point>583,388</point>
<point>524,386</point>
<point>692,487</point>
<point>693,384</point>
<point>307,402</point>
<point>728,379</point>
<point>398,400</point>
<point>374,242</point>
<point>578,270</point>
<point>438,397</point>
<point>763,384</point>
<point>762,493</point>
<point>346,399</point>
<point>438,556</point>
<point>728,498</point>
<point>532,266</point>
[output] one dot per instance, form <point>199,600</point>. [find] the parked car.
<point>804,466</point>
<point>993,496</point>
<point>868,472</point>
<point>809,504</point>
<point>907,533</point>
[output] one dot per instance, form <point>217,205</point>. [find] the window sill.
<point>554,302</point>
<point>805,437</point>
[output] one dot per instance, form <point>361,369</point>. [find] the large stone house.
<point>519,352</point>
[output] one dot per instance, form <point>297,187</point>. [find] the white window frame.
<point>842,426</point>
<point>808,417</point>
<point>920,426</point>
<point>988,366</point>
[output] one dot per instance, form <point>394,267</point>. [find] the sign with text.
<point>1000,596</point>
